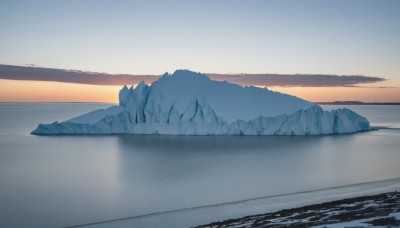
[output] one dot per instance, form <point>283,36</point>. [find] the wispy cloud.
<point>301,80</point>
<point>35,73</point>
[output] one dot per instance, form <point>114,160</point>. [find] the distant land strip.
<point>34,73</point>
<point>357,103</point>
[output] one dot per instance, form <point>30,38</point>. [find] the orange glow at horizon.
<point>40,91</point>
<point>44,91</point>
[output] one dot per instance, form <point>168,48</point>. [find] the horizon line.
<point>318,102</point>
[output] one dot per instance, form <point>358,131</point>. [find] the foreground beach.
<point>376,210</point>
<point>352,205</point>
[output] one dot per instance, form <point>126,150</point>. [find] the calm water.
<point>57,181</point>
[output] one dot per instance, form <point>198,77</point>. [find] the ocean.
<point>60,181</point>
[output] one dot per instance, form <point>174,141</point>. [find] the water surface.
<point>58,181</point>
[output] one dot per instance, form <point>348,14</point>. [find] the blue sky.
<point>151,37</point>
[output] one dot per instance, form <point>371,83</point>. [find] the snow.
<point>229,101</point>
<point>95,116</point>
<point>355,223</point>
<point>396,215</point>
<point>358,222</point>
<point>190,103</point>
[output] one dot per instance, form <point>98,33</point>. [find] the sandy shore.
<point>365,211</point>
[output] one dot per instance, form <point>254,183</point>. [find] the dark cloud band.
<point>291,80</point>
<point>72,76</point>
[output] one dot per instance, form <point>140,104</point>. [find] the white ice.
<point>190,103</point>
<point>96,115</point>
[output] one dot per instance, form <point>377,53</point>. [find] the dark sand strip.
<point>376,210</point>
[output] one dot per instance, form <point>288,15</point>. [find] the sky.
<point>342,37</point>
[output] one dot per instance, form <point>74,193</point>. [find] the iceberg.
<point>190,103</point>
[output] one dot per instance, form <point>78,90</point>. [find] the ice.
<point>396,215</point>
<point>229,101</point>
<point>95,116</point>
<point>190,103</point>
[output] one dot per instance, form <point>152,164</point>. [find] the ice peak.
<point>141,85</point>
<point>187,73</point>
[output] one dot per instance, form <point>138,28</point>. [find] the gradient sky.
<point>346,37</point>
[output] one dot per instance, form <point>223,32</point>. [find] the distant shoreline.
<point>356,103</point>
<point>320,103</point>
